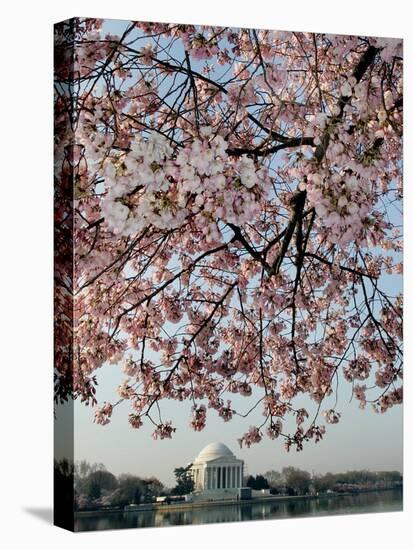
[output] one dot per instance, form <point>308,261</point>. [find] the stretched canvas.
<point>228,274</point>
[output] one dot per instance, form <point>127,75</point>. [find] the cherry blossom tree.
<point>228,221</point>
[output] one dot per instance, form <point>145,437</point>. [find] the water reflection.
<point>386,501</point>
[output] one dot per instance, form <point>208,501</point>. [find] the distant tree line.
<point>93,487</point>
<point>294,481</point>
<point>354,479</point>
<point>96,487</point>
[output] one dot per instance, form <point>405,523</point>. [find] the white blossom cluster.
<point>150,187</point>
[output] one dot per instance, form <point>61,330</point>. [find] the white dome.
<point>213,451</point>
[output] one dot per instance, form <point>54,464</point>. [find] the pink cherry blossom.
<point>227,223</point>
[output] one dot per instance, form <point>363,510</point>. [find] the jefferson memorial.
<point>217,473</point>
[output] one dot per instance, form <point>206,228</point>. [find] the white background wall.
<point>26,271</point>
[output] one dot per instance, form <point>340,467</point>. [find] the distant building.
<point>217,473</point>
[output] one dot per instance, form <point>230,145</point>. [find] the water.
<point>378,501</point>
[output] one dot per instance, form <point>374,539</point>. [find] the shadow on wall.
<point>45,514</point>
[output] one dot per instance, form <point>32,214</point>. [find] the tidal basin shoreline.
<point>163,507</point>
<point>266,507</point>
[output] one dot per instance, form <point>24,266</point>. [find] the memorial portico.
<point>217,468</point>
